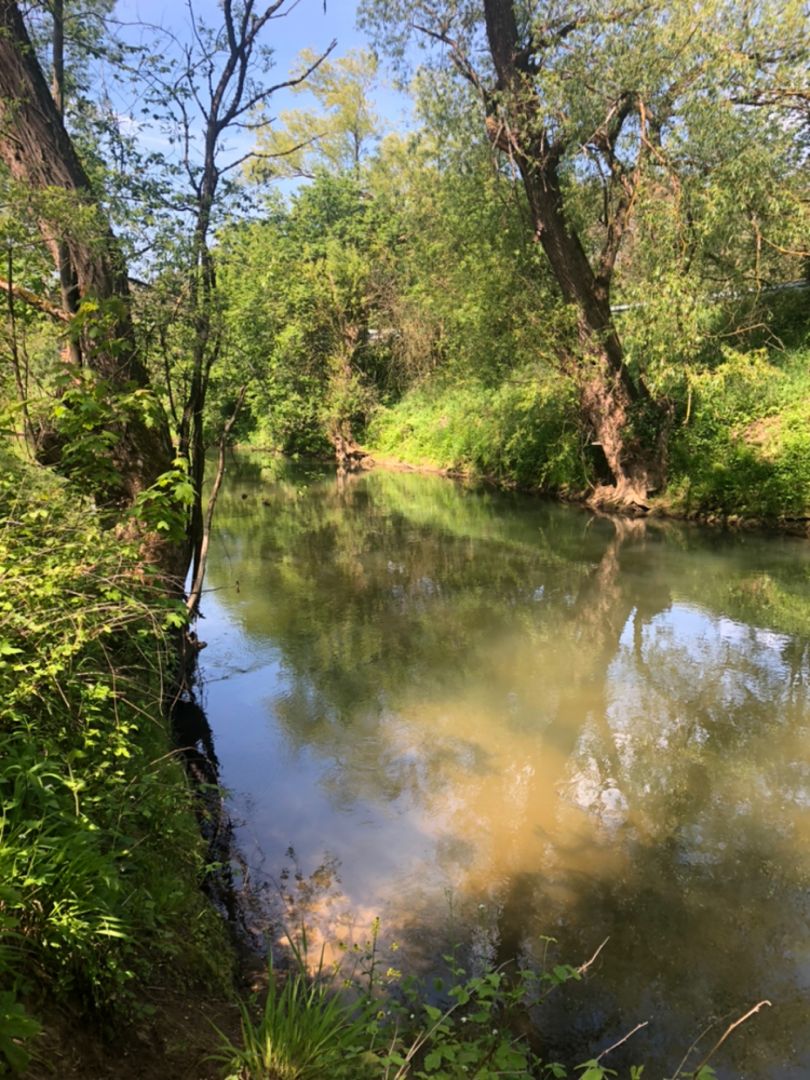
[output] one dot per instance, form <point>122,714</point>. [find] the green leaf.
<point>433,1060</point>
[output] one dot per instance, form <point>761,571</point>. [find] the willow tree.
<point>589,95</point>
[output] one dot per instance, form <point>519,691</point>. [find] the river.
<point>490,720</point>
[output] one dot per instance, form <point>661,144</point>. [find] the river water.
<point>491,720</point>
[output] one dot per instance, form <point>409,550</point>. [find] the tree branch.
<point>459,58</point>
<point>32,298</point>
<point>728,1031</point>
<point>262,156</point>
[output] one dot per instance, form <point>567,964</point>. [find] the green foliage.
<point>88,414</point>
<point>99,851</point>
<point>387,1029</point>
<point>301,291</point>
<point>16,1027</point>
<point>523,432</point>
<point>337,135</point>
<point>163,507</point>
<point>472,1035</point>
<point>745,447</point>
<point>304,1031</point>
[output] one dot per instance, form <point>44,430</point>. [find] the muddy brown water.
<point>490,720</point>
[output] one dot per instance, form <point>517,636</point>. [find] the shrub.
<point>746,447</point>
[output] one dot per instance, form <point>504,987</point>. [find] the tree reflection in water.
<point>509,719</point>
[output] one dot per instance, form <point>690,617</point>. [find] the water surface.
<point>489,719</point>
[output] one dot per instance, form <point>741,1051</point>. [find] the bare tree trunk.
<point>198,578</point>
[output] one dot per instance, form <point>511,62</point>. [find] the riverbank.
<point>663,507</point>
<point>738,452</point>
<point>112,960</point>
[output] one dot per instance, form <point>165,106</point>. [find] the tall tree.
<point>592,92</point>
<point>213,89</point>
<point>337,136</point>
<point>39,154</point>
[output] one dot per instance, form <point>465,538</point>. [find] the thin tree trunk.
<point>193,601</point>
<point>68,286</point>
<point>20,372</point>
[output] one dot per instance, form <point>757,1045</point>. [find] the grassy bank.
<point>739,446</point>
<point>104,930</point>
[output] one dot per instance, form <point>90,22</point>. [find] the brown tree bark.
<point>39,154</point>
<point>609,397</point>
<point>68,285</point>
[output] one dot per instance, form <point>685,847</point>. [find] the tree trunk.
<point>39,154</point>
<point>610,399</point>
<point>68,285</point>
<point>608,396</point>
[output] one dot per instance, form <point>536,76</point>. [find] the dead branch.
<point>728,1031</point>
<point>584,967</point>
<point>624,1039</point>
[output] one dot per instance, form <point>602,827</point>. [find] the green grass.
<point>304,1031</point>
<point>523,432</point>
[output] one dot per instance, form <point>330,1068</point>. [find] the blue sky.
<point>305,26</point>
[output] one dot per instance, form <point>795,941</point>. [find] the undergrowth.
<point>524,431</point>
<point>740,443</point>
<point>743,446</point>
<point>486,1024</point>
<point>100,857</point>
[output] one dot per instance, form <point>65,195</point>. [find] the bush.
<point>746,447</point>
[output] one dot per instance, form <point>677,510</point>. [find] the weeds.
<point>744,444</point>
<point>486,1025</point>
<point>305,1030</point>
<point>99,854</point>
